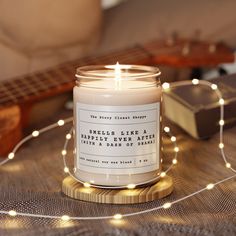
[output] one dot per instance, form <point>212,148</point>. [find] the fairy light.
<point>176,149</point>
<point>11,155</point>
<point>61,122</point>
<point>87,185</point>
<point>167,129</point>
<point>12,213</point>
<point>163,174</point>
<point>63,152</point>
<point>221,122</point>
<point>214,86</point>
<point>167,205</point>
<point>195,81</point>
<point>165,86</point>
<point>221,145</point>
<point>228,165</point>
<point>35,133</point>
<point>221,101</point>
<point>173,138</point>
<point>210,186</point>
<point>131,186</point>
<point>174,161</point>
<point>66,169</point>
<point>117,216</point>
<point>65,218</point>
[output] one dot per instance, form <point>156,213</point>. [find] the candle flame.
<point>117,71</point>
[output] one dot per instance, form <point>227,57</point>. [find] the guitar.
<point>19,94</point>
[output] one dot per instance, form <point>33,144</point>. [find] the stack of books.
<point>196,108</point>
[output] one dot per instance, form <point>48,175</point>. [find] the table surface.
<point>32,183</point>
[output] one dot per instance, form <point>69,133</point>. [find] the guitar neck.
<point>60,79</point>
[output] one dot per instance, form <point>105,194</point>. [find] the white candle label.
<point>118,139</point>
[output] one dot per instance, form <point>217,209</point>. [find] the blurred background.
<point>39,34</point>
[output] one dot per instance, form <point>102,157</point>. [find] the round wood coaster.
<point>76,190</point>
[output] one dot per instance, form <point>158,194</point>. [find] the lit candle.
<point>117,124</point>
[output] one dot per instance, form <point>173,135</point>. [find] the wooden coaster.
<point>76,190</point>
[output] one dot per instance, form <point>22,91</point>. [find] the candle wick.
<point>117,76</point>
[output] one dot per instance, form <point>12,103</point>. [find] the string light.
<point>167,205</point>
<point>131,186</point>
<point>12,213</point>
<point>65,217</point>
<point>210,186</point>
<point>167,129</point>
<point>173,138</point>
<point>214,86</point>
<point>176,149</point>
<point>221,145</point>
<point>87,185</point>
<point>163,174</point>
<point>222,101</point>
<point>61,122</point>
<point>66,169</point>
<point>228,165</point>
<point>11,155</point>
<point>195,81</point>
<point>63,152</point>
<point>174,161</point>
<point>35,133</point>
<point>119,216</point>
<point>221,122</point>
<point>165,86</point>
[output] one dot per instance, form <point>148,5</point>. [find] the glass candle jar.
<point>117,113</point>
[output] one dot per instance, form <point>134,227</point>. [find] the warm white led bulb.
<point>131,186</point>
<point>173,138</point>
<point>228,165</point>
<point>176,149</point>
<point>214,86</point>
<point>63,152</point>
<point>222,101</point>
<point>68,136</point>
<point>11,155</point>
<point>117,216</point>
<point>221,145</point>
<point>166,205</point>
<point>163,174</point>
<point>35,133</point>
<point>210,186</point>
<point>221,122</point>
<point>167,129</point>
<point>165,86</point>
<point>87,185</point>
<point>195,81</point>
<point>65,217</point>
<point>61,122</point>
<point>174,161</point>
<point>12,213</point>
<point>66,169</point>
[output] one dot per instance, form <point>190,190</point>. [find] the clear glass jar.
<point>117,119</point>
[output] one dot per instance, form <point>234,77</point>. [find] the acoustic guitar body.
<point>10,128</point>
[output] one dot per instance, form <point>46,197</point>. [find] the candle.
<point>117,124</point>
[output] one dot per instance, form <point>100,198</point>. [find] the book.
<point>196,108</point>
